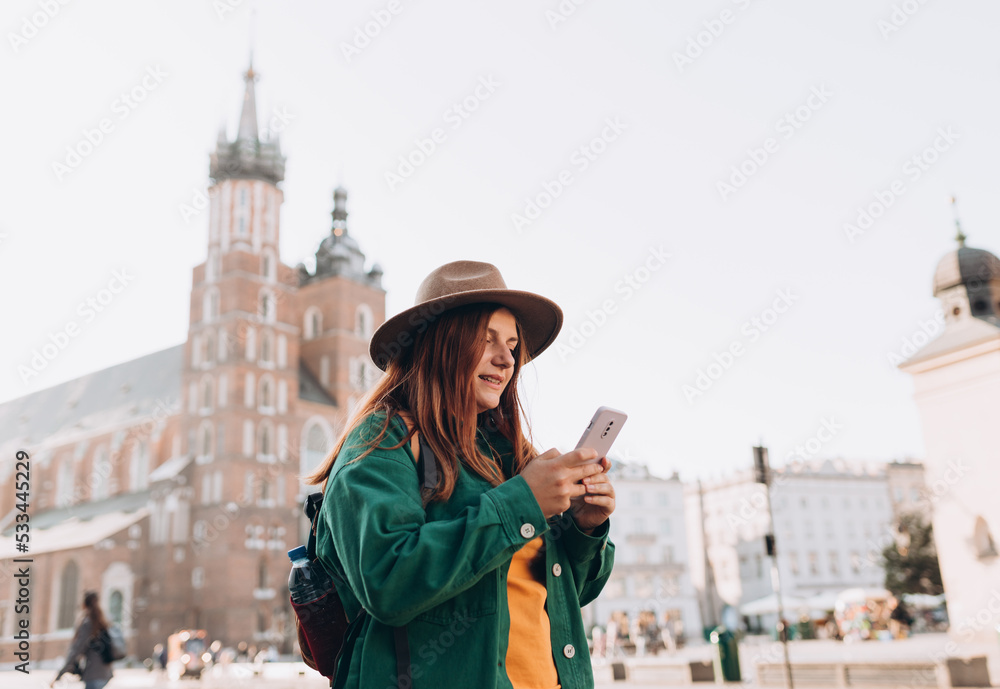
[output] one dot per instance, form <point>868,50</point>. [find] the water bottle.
<point>308,581</point>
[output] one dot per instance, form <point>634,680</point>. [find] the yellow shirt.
<point>529,648</point>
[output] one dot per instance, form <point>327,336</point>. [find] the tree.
<point>911,563</point>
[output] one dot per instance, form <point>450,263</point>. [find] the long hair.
<point>98,623</point>
<point>433,381</point>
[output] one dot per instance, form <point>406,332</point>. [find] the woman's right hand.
<point>554,478</point>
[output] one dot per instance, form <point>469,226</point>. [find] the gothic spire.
<point>248,117</point>
<point>959,236</point>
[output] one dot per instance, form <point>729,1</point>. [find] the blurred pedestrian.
<point>86,646</point>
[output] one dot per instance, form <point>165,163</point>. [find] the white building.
<point>956,381</point>
<point>651,570</point>
<point>832,521</point>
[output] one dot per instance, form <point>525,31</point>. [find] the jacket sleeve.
<point>400,565</point>
<point>591,557</point>
<point>79,645</point>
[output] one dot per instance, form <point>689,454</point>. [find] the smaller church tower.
<point>956,380</point>
<point>341,304</point>
<point>967,281</point>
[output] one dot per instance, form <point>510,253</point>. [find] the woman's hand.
<point>594,507</point>
<point>555,479</point>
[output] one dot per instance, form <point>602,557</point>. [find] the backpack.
<point>111,644</point>
<point>321,625</point>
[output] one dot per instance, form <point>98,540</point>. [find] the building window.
<point>313,325</point>
<point>248,390</point>
<point>855,563</point>
<point>207,441</point>
<point>100,475</point>
<point>210,305</point>
<point>813,564</point>
<point>262,578</point>
<point>266,393</point>
<point>265,441</point>
<point>266,307</point>
<point>668,554</point>
<point>834,562</point>
<point>207,394</point>
<point>760,565</point>
<point>317,446</point>
<point>139,466</point>
<point>363,321</point>
<point>266,347</point>
<point>116,604</point>
<point>68,583</point>
<point>793,563</point>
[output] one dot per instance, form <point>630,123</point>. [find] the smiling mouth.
<point>493,381</point>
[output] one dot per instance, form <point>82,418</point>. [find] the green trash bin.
<point>727,660</point>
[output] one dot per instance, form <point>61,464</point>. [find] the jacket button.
<point>556,569</point>
<point>569,651</point>
<point>527,530</point>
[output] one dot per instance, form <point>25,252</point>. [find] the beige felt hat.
<point>466,282</point>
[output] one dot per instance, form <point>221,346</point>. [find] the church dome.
<point>965,265</point>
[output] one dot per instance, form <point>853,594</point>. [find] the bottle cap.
<point>299,552</point>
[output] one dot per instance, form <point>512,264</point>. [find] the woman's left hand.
<point>593,508</point>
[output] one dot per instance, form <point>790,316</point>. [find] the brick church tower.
<point>172,483</point>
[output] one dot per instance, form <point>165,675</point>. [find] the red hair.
<point>433,382</point>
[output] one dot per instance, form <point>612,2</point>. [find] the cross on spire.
<point>959,236</point>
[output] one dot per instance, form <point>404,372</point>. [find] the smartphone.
<point>602,431</point>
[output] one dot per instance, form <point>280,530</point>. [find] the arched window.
<point>210,305</point>
<point>116,603</point>
<point>268,265</point>
<point>100,474</point>
<point>983,540</point>
<point>266,346</point>
<point>262,578</point>
<point>363,321</point>
<point>68,583</point>
<point>139,466</point>
<point>207,393</point>
<point>266,394</point>
<point>265,443</point>
<point>266,310</point>
<point>313,325</point>
<point>317,445</point>
<point>209,348</point>
<point>206,439</point>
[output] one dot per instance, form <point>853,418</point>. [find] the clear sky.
<point>628,121</point>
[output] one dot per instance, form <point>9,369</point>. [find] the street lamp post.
<point>762,474</point>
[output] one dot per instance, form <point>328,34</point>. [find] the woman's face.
<point>497,363</point>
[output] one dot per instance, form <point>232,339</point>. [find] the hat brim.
<point>540,320</point>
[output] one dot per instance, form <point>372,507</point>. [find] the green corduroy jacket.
<point>442,572</point>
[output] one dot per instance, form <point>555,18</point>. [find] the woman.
<point>486,572</point>
<point>86,644</point>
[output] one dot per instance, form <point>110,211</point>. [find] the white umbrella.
<point>769,604</point>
